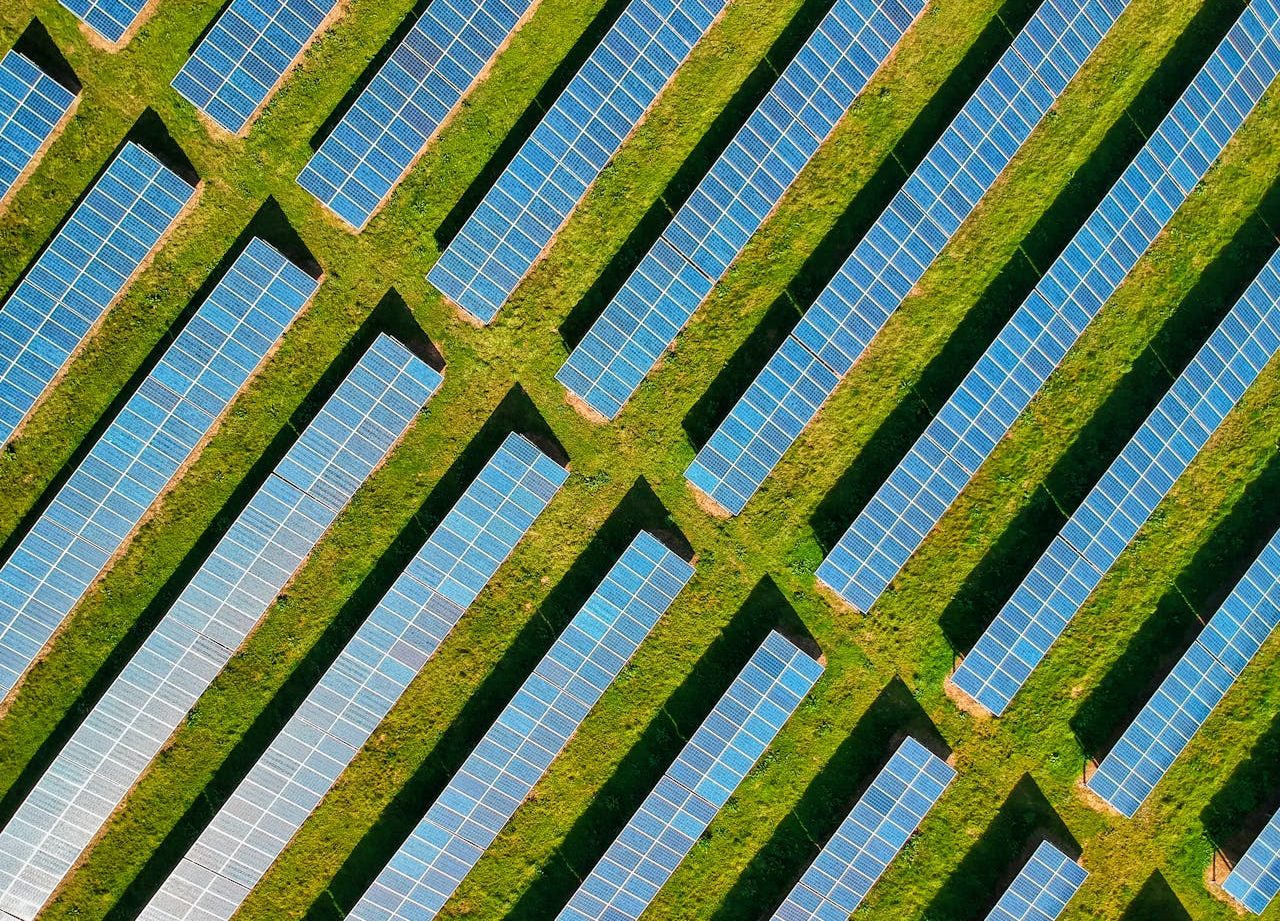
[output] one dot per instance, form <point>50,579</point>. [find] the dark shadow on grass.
<point>821,265</point>
<point>38,46</point>
<point>824,804</point>
<point>692,170</point>
<point>1017,278</point>
<point>1155,902</point>
<point>985,872</point>
<point>389,315</point>
<point>765,609</point>
<point>1238,811</point>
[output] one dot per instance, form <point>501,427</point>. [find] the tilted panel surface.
<point>1042,888</point>
<point>1255,880</point>
<point>111,19</point>
<point>32,104</point>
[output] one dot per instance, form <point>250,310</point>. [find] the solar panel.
<point>358,690</point>
<point>1067,298</point>
<point>1196,685</point>
<point>443,56</point>
<point>902,243</point>
<point>870,837</point>
<point>111,19</point>
<point>697,785</point>
<point>1255,880</point>
<point>155,433</point>
<point>221,605</point>
<point>243,58</point>
<point>733,200</point>
<point>80,274</point>
<point>1042,888</point>
<point>580,133</point>
<point>503,769</point>
<point>1113,512</point>
<point>32,106</point>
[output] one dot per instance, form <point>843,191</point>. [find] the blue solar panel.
<point>1042,888</point>
<point>533,729</point>
<point>221,605</point>
<point>733,200</point>
<point>903,242</point>
<point>72,283</point>
<point>581,131</point>
<point>1024,354</point>
<point>32,105</point>
<point>157,431</point>
<point>870,837</point>
<point>1255,880</point>
<point>401,109</point>
<point>697,785</point>
<point>245,55</point>
<point>1125,497</point>
<point>359,688</point>
<point>111,19</point>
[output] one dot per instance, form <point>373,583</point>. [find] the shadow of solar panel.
<point>245,55</point>
<point>212,616</point>
<point>733,199</point>
<point>1028,349</point>
<point>527,736</point>
<point>870,837</point>
<point>77,277</point>
<point>581,131</point>
<point>1255,880</point>
<point>401,109</point>
<point>1122,501</point>
<point>358,690</point>
<point>697,784</point>
<point>904,241</point>
<point>1042,888</point>
<point>111,19</point>
<point>157,431</point>
<point>32,105</point>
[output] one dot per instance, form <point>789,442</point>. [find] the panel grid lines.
<point>32,105</point>
<point>1042,888</point>
<point>1255,880</point>
<point>109,18</point>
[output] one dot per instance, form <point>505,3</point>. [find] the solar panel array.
<point>1196,685</point>
<point>899,247</point>
<point>224,601</point>
<point>76,278</point>
<point>1094,264</point>
<point>553,169</point>
<point>358,690</point>
<point>32,105</point>
<point>244,56</point>
<point>733,200</point>
<point>1255,880</point>
<point>389,125</point>
<point>533,729</point>
<point>109,18</point>
<point>870,837</point>
<point>697,784</point>
<point>1042,888</point>
<point>154,434</point>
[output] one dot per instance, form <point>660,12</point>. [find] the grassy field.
<point>1018,776</point>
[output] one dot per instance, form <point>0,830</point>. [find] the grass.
<point>1018,776</point>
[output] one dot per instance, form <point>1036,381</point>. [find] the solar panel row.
<point>1255,880</point>
<point>528,735</point>
<point>733,200</point>
<point>157,431</point>
<point>899,247</point>
<point>697,785</point>
<point>553,169</point>
<point>358,690</point>
<point>870,836</point>
<point>224,601</point>
<point>243,58</point>
<point>111,19</point>
<point>1042,888</point>
<point>1047,324</point>
<point>82,271</point>
<point>32,105</point>
<point>1127,494</point>
<point>400,110</point>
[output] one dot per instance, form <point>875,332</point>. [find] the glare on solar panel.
<point>1255,881</point>
<point>112,20</point>
<point>1042,888</point>
<point>226,598</point>
<point>360,687</point>
<point>33,106</point>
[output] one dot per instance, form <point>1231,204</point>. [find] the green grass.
<point>885,671</point>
